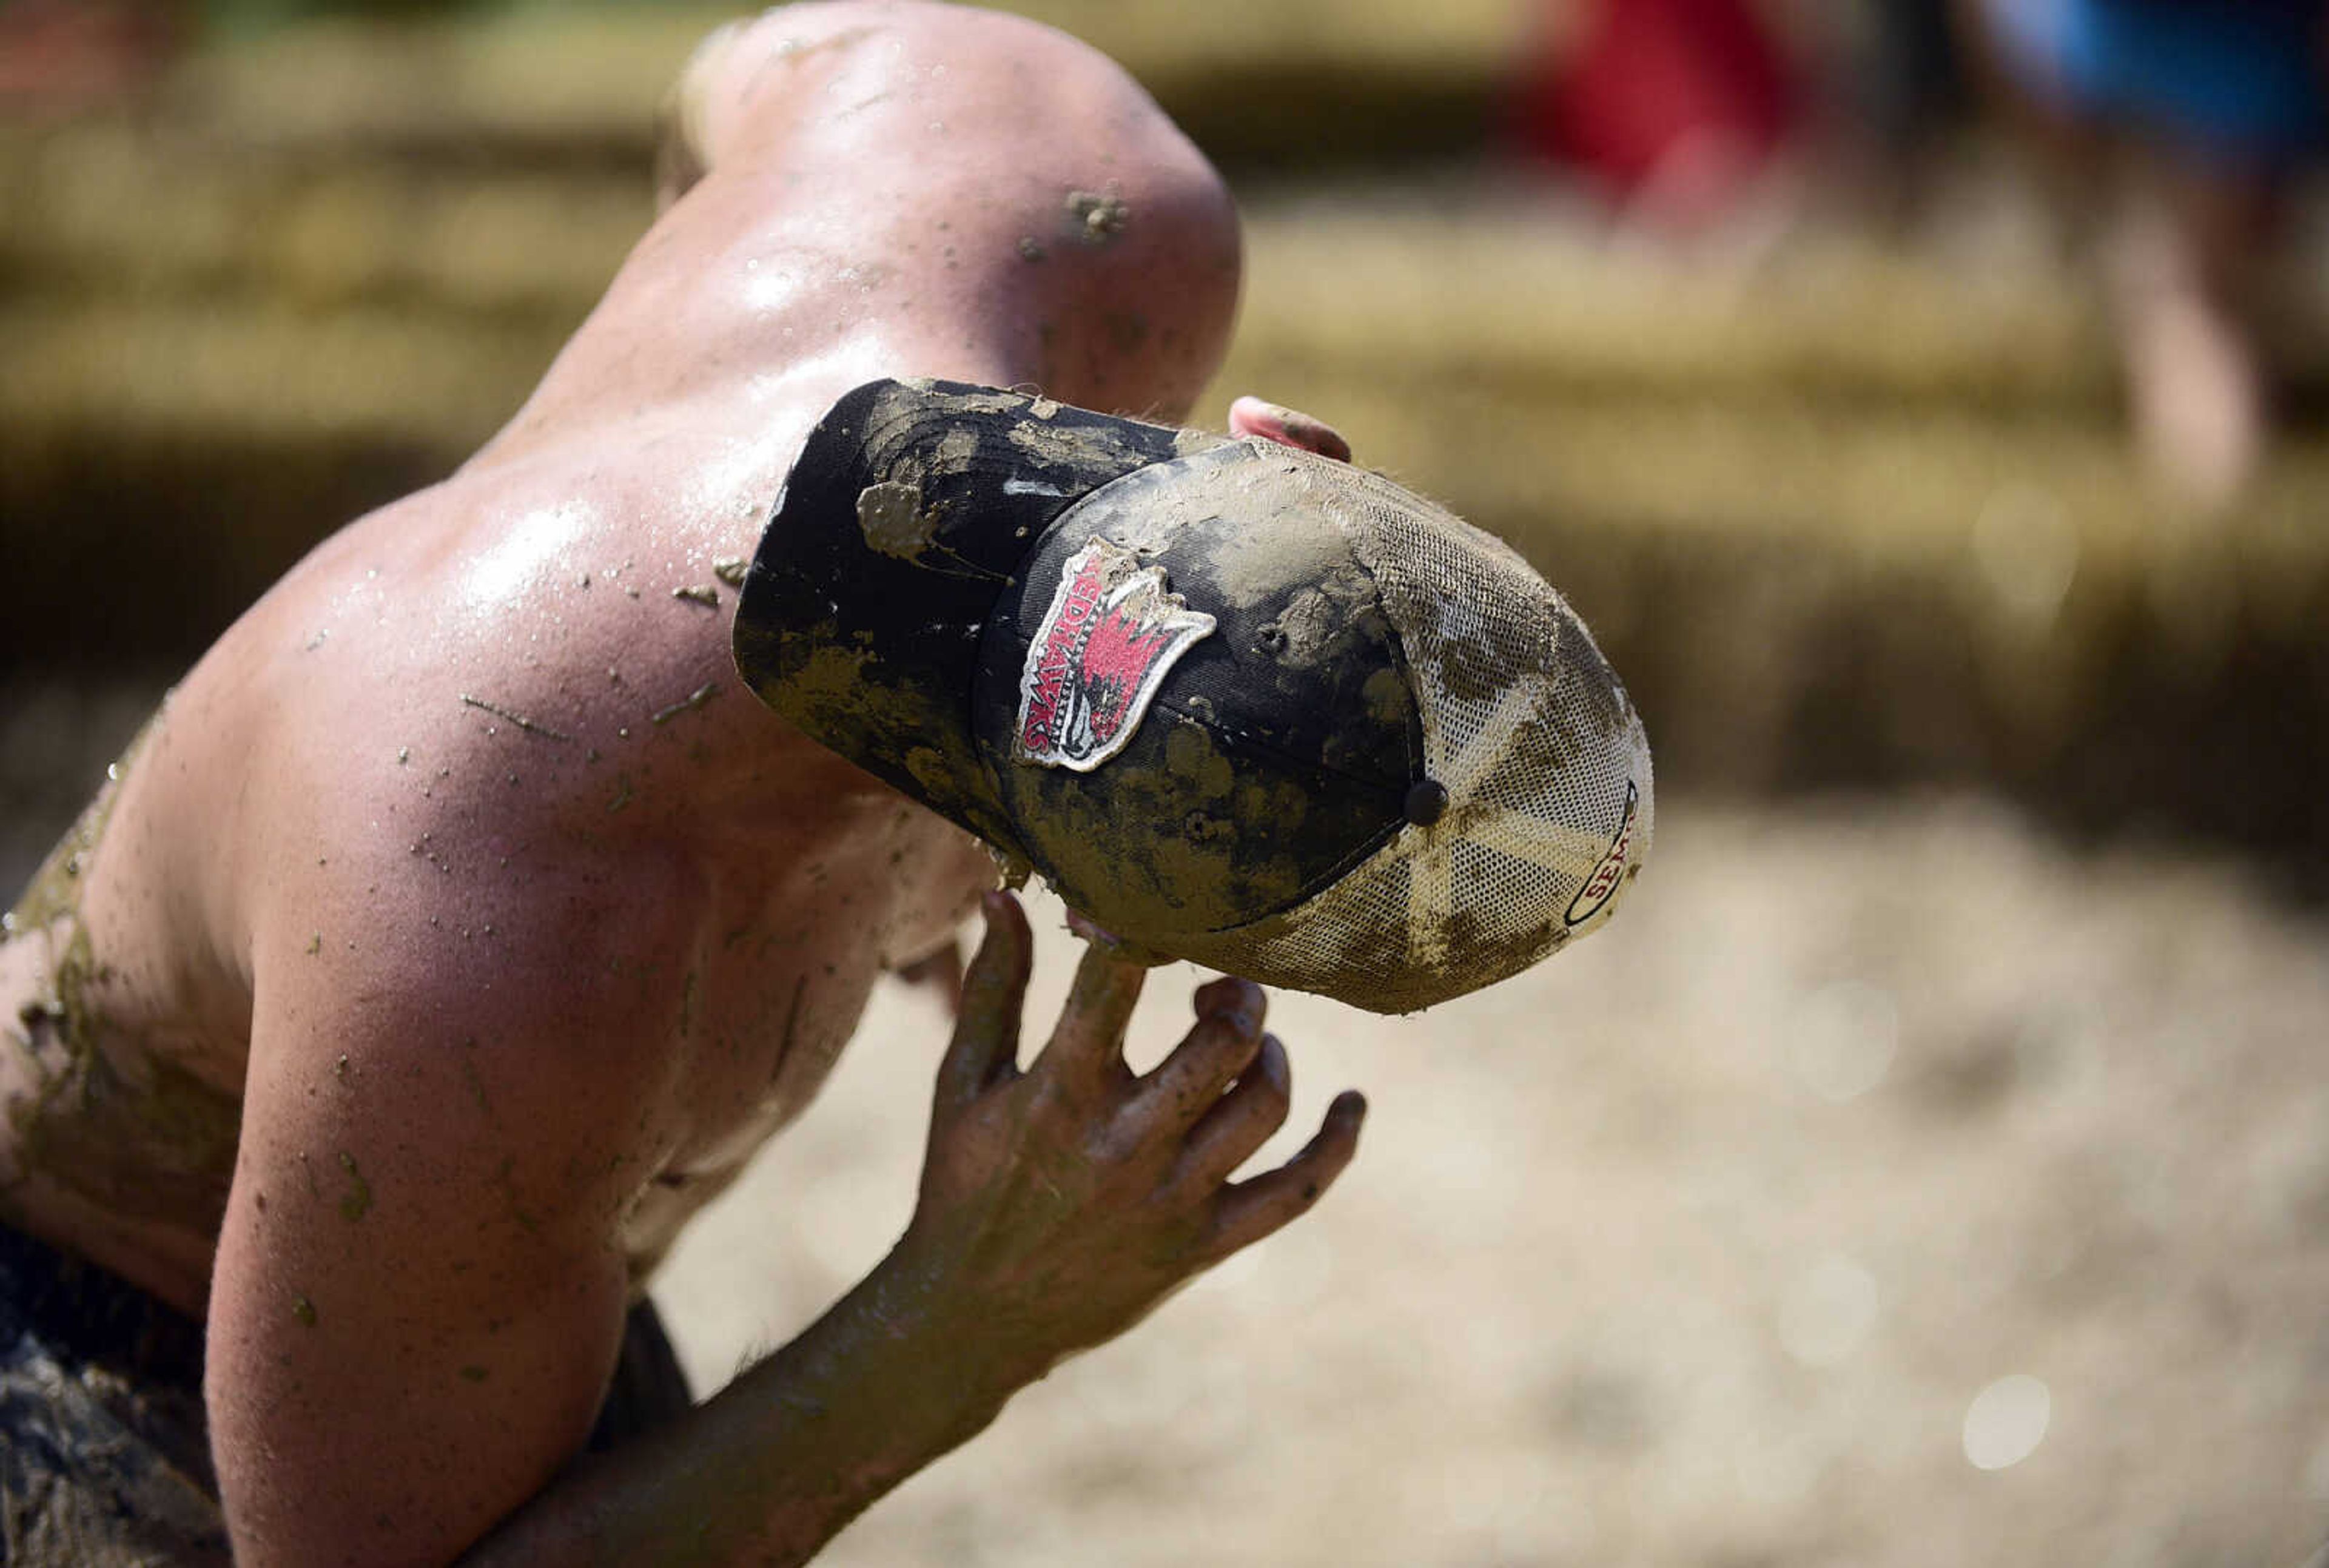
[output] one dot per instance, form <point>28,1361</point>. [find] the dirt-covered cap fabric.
<point>1238,702</point>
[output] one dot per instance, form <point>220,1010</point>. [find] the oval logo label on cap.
<point>1610,873</point>
<point>1103,647</point>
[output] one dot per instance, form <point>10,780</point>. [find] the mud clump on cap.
<point>893,520</point>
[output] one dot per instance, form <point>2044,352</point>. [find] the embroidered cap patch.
<point>1095,663</point>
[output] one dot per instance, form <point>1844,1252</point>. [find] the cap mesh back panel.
<point>1532,734</point>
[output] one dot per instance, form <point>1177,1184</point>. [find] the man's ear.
<point>1249,416</point>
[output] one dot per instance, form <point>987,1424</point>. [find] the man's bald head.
<point>1112,255</point>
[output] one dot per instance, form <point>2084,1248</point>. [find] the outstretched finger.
<point>1239,1123</point>
<point>1088,1045</point>
<point>1251,1210</point>
<point>985,1045</point>
<point>1221,1045</point>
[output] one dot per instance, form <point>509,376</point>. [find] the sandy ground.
<point>1874,1139</point>
<point>1700,1245</point>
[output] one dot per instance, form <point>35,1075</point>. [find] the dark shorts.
<point>104,1453</point>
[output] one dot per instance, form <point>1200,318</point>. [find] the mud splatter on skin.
<point>55,893</point>
<point>688,703</point>
<point>730,570</point>
<point>98,1102</point>
<point>530,726</point>
<point>356,1202</point>
<point>1128,330</point>
<point>108,1119</point>
<point>303,1310</point>
<point>506,1181</point>
<point>477,1085</point>
<point>701,593</point>
<point>1097,217</point>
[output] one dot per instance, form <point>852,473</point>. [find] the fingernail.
<point>1350,1102</point>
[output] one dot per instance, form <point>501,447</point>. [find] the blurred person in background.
<point>435,954</point>
<point>1676,110</point>
<point>2206,107</point>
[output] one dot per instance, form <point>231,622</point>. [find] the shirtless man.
<point>460,925</point>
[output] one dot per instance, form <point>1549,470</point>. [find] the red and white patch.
<point>1611,871</point>
<point>1095,663</point>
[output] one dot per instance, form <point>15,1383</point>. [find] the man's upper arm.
<point>420,1291</point>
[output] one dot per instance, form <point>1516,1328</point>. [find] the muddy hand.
<point>1251,416</point>
<point>1059,1203</point>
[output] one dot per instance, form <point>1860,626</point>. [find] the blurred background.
<point>1925,406</point>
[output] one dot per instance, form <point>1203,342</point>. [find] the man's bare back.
<point>460,925</point>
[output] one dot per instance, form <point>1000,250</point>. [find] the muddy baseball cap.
<point>1237,703</point>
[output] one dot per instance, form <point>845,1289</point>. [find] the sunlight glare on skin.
<point>526,552</point>
<point>770,285</point>
<point>721,475</point>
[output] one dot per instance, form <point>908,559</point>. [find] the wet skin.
<point>462,924</point>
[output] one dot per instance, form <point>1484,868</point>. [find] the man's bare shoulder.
<point>502,711</point>
<point>517,641</point>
